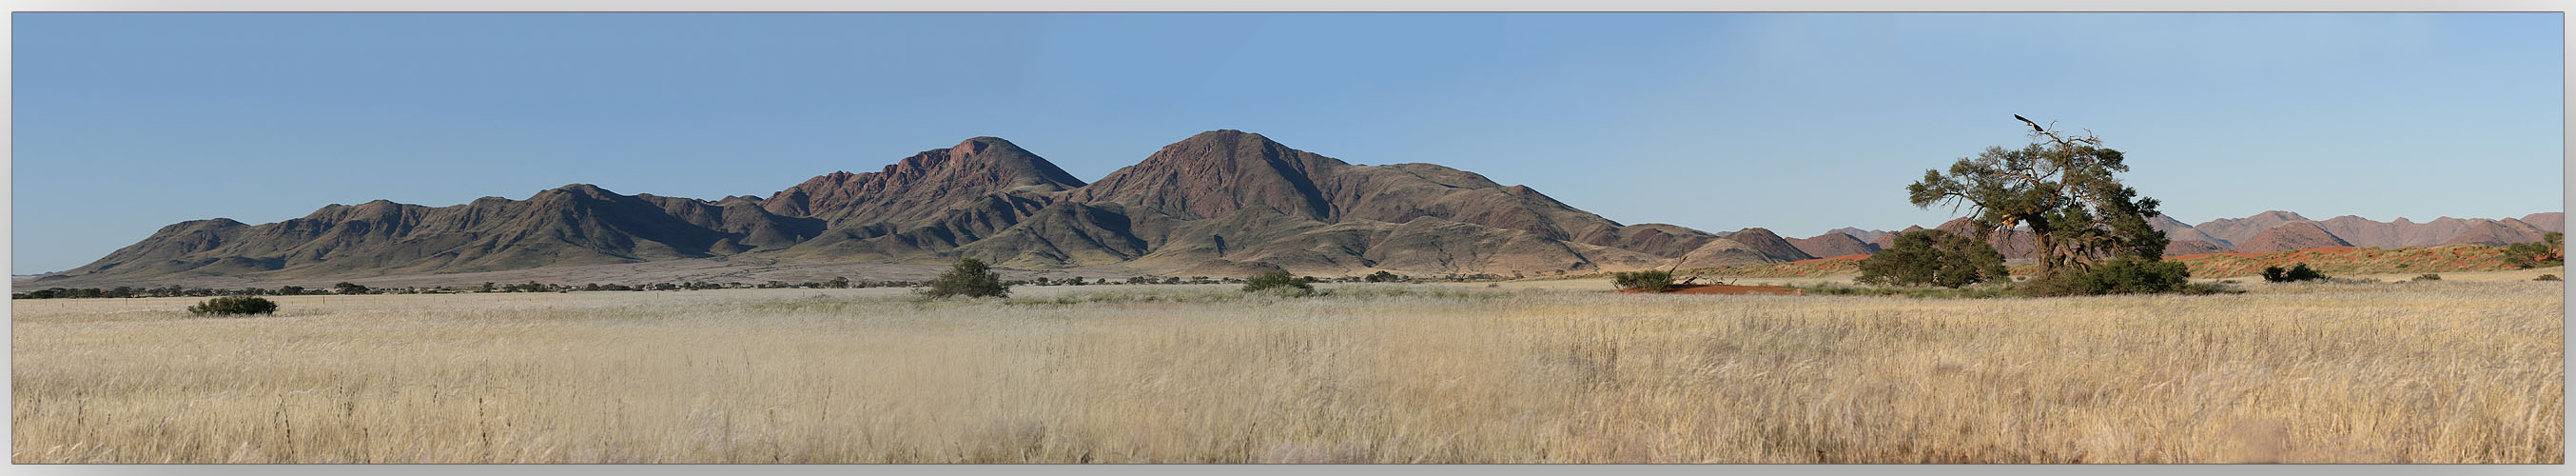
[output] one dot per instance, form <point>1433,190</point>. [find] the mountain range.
<point>1218,203</point>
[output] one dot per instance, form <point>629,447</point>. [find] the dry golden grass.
<point>2421,372</point>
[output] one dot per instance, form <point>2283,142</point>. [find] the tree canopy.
<point>2063,187</point>
<point>1933,257</point>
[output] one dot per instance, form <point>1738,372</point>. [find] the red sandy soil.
<point>1723,289</point>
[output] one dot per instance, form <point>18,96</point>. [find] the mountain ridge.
<point>1218,201</point>
<point>1222,199</point>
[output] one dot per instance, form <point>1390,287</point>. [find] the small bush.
<point>2547,277</point>
<point>2118,276</point>
<point>970,278</point>
<point>233,305</point>
<point>2428,277</point>
<point>1383,277</point>
<point>1652,280</point>
<point>2294,274</point>
<point>1280,280</point>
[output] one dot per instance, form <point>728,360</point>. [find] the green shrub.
<point>2547,277</point>
<point>2118,276</point>
<point>2536,254</point>
<point>970,278</point>
<point>1652,280</point>
<point>1383,277</point>
<point>1933,257</point>
<point>2301,272</point>
<point>1283,282</point>
<point>233,305</point>
<point>2428,277</point>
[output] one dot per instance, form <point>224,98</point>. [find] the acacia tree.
<point>2063,187</point>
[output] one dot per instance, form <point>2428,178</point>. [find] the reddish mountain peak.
<point>2498,233</point>
<point>2547,221</point>
<point>1769,244</point>
<point>2297,235</point>
<point>578,189</point>
<point>1833,243</point>
<point>1228,146</point>
<point>2163,222</point>
<point>1218,172</point>
<point>2281,215</point>
<point>923,184</point>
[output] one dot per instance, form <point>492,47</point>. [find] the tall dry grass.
<point>2418,372</point>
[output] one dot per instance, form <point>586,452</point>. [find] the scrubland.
<point>2454,371</point>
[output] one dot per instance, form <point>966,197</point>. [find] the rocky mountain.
<point>2297,235</point>
<point>1867,236</point>
<point>2441,231</point>
<point>2552,221</point>
<point>1888,240</point>
<point>1221,202</point>
<point>2498,233</point>
<point>2234,230</point>
<point>1833,243</point>
<point>572,225</point>
<point>2192,247</point>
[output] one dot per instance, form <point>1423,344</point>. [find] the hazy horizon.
<point>1798,123</point>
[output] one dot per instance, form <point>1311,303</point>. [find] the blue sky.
<point>1794,122</point>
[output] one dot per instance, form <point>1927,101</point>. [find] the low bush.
<point>2294,274</point>
<point>233,305</point>
<point>1652,280</point>
<point>2428,277</point>
<point>2547,277</point>
<point>970,278</point>
<point>1278,282</point>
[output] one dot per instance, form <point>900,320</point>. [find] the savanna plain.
<point>2452,371</point>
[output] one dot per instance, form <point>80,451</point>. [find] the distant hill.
<point>2297,235</point>
<point>1833,243</point>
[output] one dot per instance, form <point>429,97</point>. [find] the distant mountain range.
<point>1218,203</point>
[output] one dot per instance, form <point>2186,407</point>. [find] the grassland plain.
<point>2460,370</point>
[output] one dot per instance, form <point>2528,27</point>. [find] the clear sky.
<point>1794,122</point>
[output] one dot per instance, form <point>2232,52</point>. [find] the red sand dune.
<point>1724,289</point>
